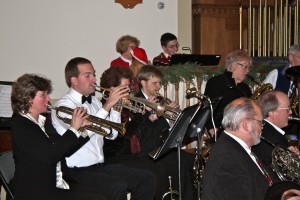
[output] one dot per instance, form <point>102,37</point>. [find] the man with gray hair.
<point>276,110</point>
<point>278,78</point>
<point>233,171</point>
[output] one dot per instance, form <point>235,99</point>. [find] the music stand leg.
<point>179,169</point>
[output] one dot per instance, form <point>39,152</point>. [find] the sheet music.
<point>5,103</point>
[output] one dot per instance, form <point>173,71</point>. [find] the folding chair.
<point>7,170</point>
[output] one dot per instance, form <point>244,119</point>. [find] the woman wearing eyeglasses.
<point>229,85</point>
<point>37,148</point>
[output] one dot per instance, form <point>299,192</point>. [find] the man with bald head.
<point>276,110</point>
<point>232,171</point>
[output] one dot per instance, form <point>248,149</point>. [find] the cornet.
<point>98,123</point>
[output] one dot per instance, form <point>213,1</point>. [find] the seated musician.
<point>151,130</point>
<point>170,46</point>
<point>37,148</point>
<point>123,46</point>
<point>232,170</point>
<point>86,166</point>
<point>276,110</point>
<point>229,85</point>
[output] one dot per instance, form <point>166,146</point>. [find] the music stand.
<point>176,136</point>
<point>200,59</point>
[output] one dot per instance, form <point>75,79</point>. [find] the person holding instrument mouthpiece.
<point>37,148</point>
<point>86,166</point>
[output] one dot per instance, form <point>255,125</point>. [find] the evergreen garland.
<point>189,71</point>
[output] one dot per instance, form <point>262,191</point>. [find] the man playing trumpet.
<point>86,166</point>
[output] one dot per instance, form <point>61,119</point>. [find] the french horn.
<point>285,163</point>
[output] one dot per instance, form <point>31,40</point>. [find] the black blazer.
<point>150,134</point>
<point>264,150</point>
<point>36,157</point>
<point>230,173</point>
<point>224,86</point>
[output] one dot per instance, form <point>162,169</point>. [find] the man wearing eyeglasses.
<point>276,110</point>
<point>170,46</point>
<point>232,170</point>
<point>278,78</point>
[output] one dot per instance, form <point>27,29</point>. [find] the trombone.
<point>98,123</point>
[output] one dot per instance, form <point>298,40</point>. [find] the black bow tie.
<point>88,99</point>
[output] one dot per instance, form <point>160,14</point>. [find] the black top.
<point>224,86</point>
<point>36,157</point>
<point>230,173</point>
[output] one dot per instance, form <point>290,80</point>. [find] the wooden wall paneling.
<point>218,26</point>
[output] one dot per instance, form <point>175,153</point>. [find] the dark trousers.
<point>114,179</point>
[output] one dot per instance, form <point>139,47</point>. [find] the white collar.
<point>40,122</point>
<point>241,142</point>
<point>126,60</point>
<point>276,127</point>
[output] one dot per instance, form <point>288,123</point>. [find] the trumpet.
<point>164,102</point>
<point>98,123</point>
<point>130,105</point>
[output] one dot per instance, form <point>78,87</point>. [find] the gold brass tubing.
<point>297,23</point>
<point>241,15</point>
<point>259,29</point>
<point>275,31</point>
<point>269,31</point>
<point>289,28</point>
<point>285,27</point>
<point>265,29</point>
<point>249,27</point>
<point>280,30</point>
<point>253,33</point>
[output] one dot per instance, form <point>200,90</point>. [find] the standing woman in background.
<point>123,46</point>
<point>37,148</point>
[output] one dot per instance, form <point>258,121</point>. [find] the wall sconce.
<point>161,5</point>
<point>129,3</point>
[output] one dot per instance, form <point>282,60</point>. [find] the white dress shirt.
<point>92,152</point>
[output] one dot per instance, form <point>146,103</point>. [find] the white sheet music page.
<point>5,103</point>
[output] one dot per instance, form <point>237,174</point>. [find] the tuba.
<point>285,163</point>
<point>98,123</point>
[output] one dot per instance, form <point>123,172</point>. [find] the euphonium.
<point>98,123</point>
<point>130,105</point>
<point>262,88</point>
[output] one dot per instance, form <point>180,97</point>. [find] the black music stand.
<point>176,136</point>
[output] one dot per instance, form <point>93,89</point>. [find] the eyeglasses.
<point>246,66</point>
<point>43,95</point>
<point>286,109</point>
<point>261,122</point>
<point>173,46</point>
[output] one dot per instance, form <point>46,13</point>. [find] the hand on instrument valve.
<point>79,118</point>
<point>152,116</point>
<point>295,150</point>
<point>115,95</point>
<point>173,104</point>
